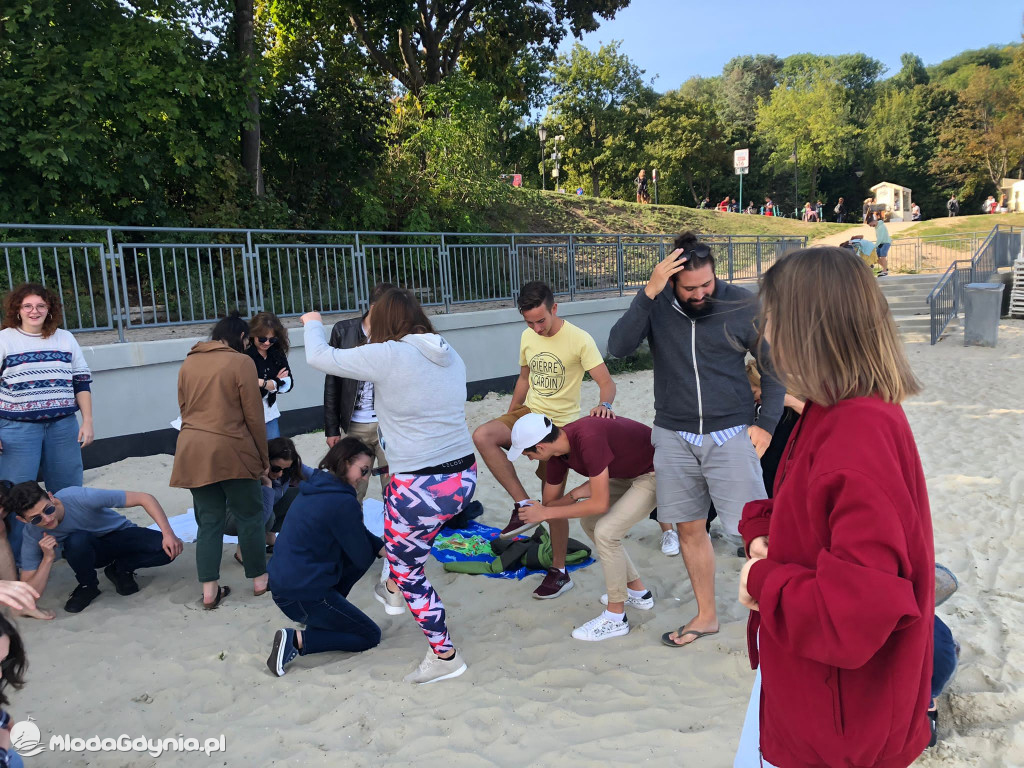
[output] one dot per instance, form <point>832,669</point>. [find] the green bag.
<point>534,553</point>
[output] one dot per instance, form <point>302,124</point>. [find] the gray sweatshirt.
<point>419,385</point>
<point>700,380</point>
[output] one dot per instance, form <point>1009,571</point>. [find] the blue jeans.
<point>332,624</point>
<point>945,659</point>
<point>882,250</point>
<point>29,446</point>
<point>128,549</point>
<point>274,428</point>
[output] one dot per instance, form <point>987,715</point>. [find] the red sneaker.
<point>555,583</point>
<point>516,525</point>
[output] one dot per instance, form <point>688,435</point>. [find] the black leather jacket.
<point>339,393</point>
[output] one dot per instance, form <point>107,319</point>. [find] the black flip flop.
<point>221,594</point>
<point>667,637</point>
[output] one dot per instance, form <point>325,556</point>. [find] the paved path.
<point>863,230</point>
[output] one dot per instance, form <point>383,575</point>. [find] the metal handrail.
<point>171,281</point>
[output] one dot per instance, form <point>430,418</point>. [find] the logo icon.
<point>547,374</point>
<point>26,738</point>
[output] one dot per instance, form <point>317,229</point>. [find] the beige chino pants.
<point>631,501</point>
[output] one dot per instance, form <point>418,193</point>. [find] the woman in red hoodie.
<point>841,575</point>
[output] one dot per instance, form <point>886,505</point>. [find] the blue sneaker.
<point>283,652</point>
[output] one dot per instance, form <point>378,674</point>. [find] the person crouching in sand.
<point>322,551</point>
<point>841,575</point>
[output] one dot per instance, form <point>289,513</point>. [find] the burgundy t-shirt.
<point>622,446</point>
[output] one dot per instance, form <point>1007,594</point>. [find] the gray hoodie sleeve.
<point>366,363</point>
<point>632,328</point>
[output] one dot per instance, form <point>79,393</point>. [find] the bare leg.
<point>490,438</point>
<point>699,557</point>
<point>665,526</point>
<point>210,591</point>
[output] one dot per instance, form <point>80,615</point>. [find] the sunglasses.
<point>276,470</point>
<point>48,510</point>
<point>271,340</point>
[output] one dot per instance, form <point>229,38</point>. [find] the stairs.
<point>908,299</point>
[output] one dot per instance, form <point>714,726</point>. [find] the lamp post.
<point>796,183</point>
<point>542,132</point>
<point>557,157</point>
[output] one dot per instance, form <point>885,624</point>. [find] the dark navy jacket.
<point>323,543</point>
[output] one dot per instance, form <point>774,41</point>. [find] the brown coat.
<point>223,435</point>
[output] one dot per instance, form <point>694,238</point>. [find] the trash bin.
<point>982,305</point>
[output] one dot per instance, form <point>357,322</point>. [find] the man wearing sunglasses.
<point>707,438</point>
<point>81,522</point>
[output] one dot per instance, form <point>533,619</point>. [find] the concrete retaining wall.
<point>135,385</point>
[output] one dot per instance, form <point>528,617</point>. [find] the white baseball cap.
<point>528,431</point>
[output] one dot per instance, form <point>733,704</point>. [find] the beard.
<point>698,310</point>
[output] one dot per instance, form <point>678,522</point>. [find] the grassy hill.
<point>551,212</point>
<point>961,224</point>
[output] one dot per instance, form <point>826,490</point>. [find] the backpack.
<point>533,553</point>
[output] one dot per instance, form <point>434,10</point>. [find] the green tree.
<point>745,79</point>
<point>602,106</point>
<point>687,144</point>
<point>421,42</point>
<point>912,72</point>
<point>116,112</point>
<point>811,117</point>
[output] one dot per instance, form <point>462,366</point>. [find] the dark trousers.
<point>332,624</point>
<point>129,549</point>
<point>945,659</point>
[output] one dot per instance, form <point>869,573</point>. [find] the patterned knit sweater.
<point>39,377</point>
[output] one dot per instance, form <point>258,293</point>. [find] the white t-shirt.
<point>364,412</point>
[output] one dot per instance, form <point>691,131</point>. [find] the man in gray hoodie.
<point>707,436</point>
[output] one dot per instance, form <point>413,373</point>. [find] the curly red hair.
<point>14,299</point>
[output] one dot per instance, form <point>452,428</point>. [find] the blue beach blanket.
<point>473,543</point>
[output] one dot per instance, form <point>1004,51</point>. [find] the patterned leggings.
<point>417,507</point>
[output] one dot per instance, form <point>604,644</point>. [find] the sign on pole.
<point>741,162</point>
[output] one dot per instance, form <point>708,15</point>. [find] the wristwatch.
<point>608,406</point>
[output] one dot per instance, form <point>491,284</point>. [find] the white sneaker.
<point>385,571</point>
<point>644,603</point>
<point>434,669</point>
<point>670,543</point>
<point>394,603</point>
<point>601,629</point>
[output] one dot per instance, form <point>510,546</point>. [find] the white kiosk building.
<point>895,198</point>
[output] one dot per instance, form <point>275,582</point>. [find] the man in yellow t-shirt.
<point>553,356</point>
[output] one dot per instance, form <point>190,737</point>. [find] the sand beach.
<point>154,664</point>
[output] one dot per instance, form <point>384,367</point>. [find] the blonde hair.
<point>831,332</point>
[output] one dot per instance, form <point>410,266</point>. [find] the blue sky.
<point>676,39</point>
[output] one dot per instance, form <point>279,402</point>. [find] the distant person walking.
<point>642,195</point>
<point>915,212</point>
<point>952,206</point>
<point>840,210</point>
<point>883,242</point>
<point>769,207</point>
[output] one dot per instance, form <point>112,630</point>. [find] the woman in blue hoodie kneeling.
<point>322,551</point>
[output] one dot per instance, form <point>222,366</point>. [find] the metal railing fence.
<point>133,277</point>
<point>996,250</point>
